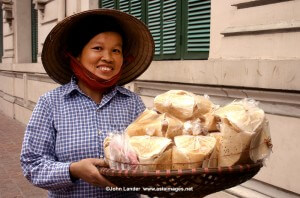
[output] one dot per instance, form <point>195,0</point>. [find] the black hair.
<point>88,27</point>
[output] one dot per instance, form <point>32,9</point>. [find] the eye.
<point>98,48</point>
<point>117,51</point>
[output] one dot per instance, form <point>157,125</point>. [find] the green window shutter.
<point>154,24</point>
<point>196,26</point>
<point>133,7</point>
<point>164,24</point>
<point>112,4</point>
<point>34,33</point>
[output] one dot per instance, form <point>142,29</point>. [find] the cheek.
<point>88,59</point>
<point>120,63</point>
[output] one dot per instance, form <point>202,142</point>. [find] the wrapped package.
<point>261,144</point>
<point>154,124</point>
<point>243,115</point>
<point>240,122</point>
<point>192,127</point>
<point>118,152</point>
<point>148,123</point>
<point>190,151</point>
<point>234,147</point>
<point>212,160</point>
<point>182,104</point>
<point>154,153</point>
<point>210,122</point>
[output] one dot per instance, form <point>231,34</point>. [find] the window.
<point>181,29</point>
<point>34,33</point>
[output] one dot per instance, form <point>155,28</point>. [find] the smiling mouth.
<point>104,68</point>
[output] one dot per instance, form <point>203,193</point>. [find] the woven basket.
<point>181,183</point>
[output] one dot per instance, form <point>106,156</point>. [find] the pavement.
<point>12,182</point>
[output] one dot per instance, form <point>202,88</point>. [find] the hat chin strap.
<point>89,79</point>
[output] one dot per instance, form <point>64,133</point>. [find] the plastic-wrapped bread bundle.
<point>190,151</point>
<point>154,153</point>
<point>154,124</point>
<point>203,106</point>
<point>182,104</point>
<point>118,152</point>
<point>210,122</point>
<point>231,148</point>
<point>240,121</point>
<point>148,123</point>
<point>243,115</point>
<point>261,145</point>
<point>192,127</point>
<point>212,160</point>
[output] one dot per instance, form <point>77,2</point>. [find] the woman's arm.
<point>38,159</point>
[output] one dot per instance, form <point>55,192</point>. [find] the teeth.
<point>105,68</point>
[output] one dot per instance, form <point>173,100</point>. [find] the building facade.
<point>226,49</point>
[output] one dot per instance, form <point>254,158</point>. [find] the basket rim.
<point>219,170</point>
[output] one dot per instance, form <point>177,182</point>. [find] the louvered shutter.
<point>164,24</point>
<point>133,7</point>
<point>34,33</point>
<point>196,26</point>
<point>154,23</point>
<point>112,4</point>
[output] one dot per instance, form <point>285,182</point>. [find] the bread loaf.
<point>243,115</point>
<point>190,151</point>
<point>182,104</point>
<point>153,152</point>
<point>154,124</point>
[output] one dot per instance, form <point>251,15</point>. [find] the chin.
<point>104,77</point>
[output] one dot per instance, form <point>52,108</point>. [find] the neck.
<point>95,95</point>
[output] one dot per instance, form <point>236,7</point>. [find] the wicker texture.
<point>199,182</point>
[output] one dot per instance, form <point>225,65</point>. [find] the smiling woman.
<point>98,65</point>
<point>91,54</point>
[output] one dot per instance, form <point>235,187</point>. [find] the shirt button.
<point>99,132</point>
<point>101,156</point>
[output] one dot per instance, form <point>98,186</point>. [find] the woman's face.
<point>103,55</point>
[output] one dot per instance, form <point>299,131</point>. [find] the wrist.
<point>72,172</point>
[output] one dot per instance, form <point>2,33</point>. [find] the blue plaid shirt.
<point>67,126</point>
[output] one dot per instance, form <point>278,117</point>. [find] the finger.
<point>99,162</point>
<point>106,182</point>
<point>103,182</point>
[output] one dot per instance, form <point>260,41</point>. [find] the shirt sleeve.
<point>38,159</point>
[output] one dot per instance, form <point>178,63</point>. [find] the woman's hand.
<point>86,169</point>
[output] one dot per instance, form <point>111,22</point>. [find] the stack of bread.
<point>185,130</point>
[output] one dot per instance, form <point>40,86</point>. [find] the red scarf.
<point>89,79</point>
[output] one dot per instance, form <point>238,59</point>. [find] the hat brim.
<point>140,46</point>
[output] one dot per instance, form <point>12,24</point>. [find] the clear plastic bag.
<point>119,154</point>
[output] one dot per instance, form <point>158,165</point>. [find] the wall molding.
<point>44,22</point>
<point>291,26</point>
<point>7,7</point>
<point>273,102</point>
<point>260,189</point>
<point>253,3</point>
<point>31,76</point>
<point>17,100</point>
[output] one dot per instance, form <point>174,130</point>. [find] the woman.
<point>98,50</point>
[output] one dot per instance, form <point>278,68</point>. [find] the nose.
<point>106,56</point>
